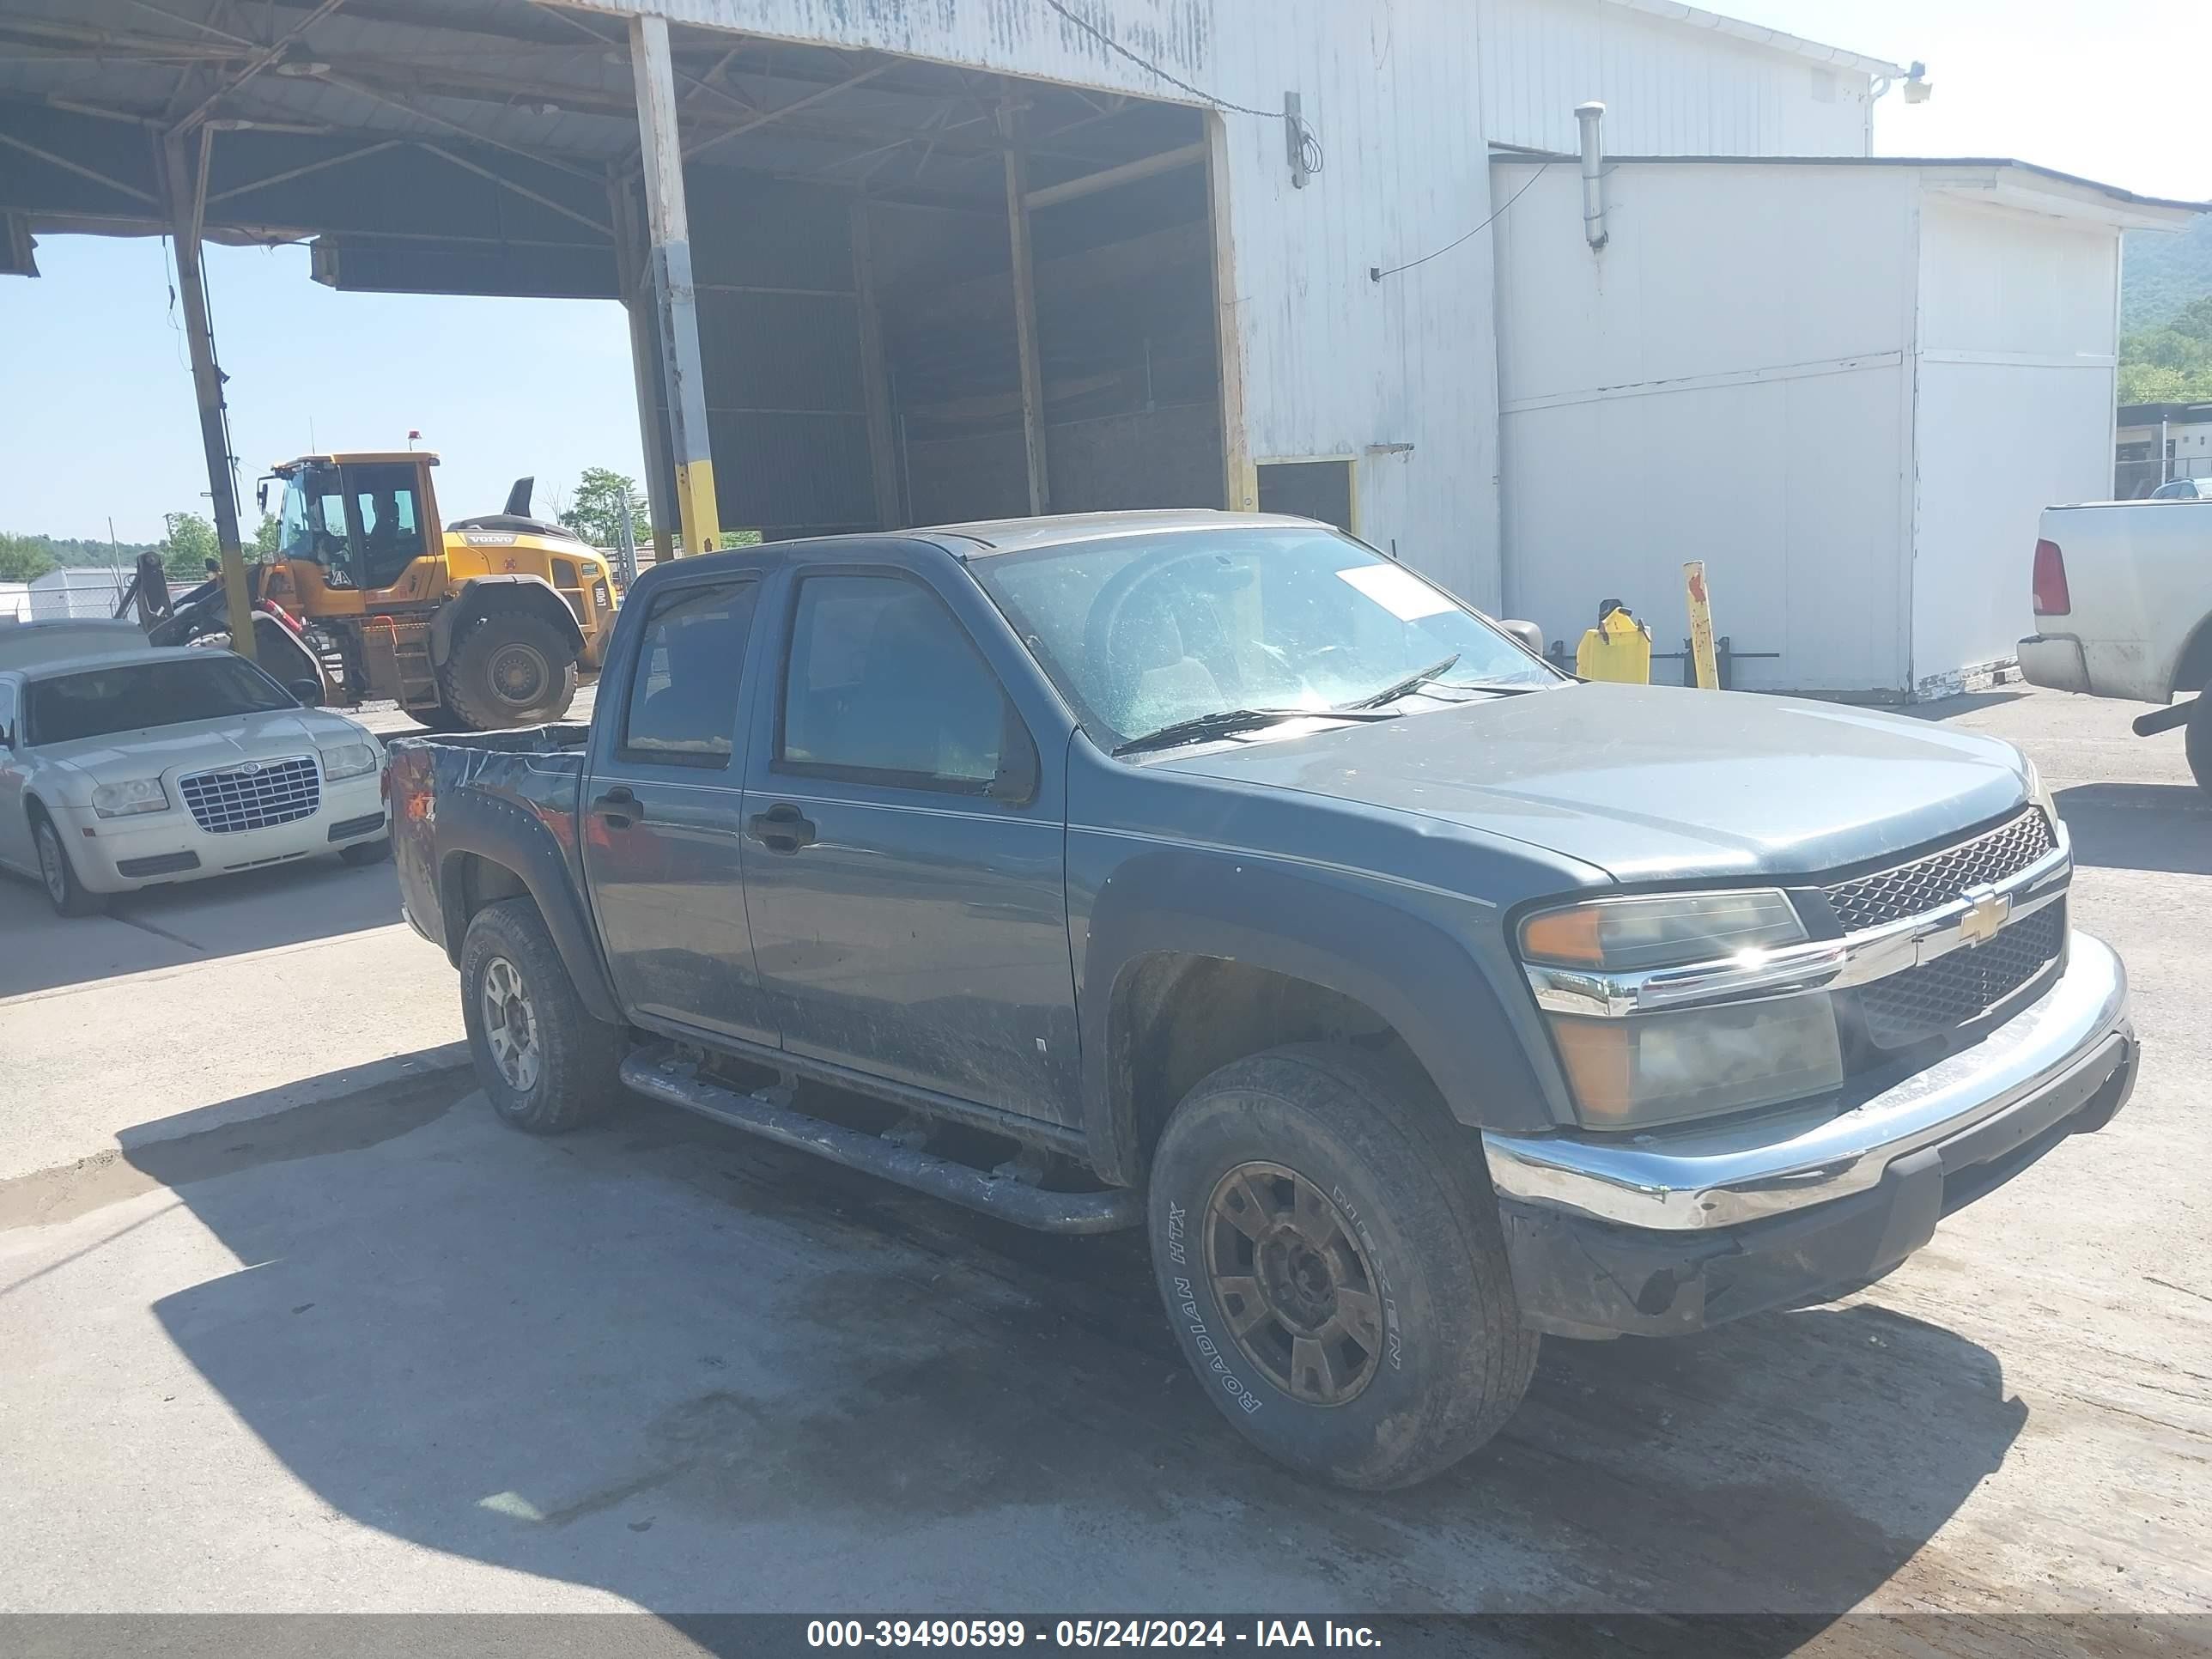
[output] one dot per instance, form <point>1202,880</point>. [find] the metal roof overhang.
<point>1998,179</point>
<point>468,146</point>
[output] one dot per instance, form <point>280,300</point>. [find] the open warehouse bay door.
<point>864,348</point>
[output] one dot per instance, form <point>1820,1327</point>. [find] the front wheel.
<point>546,1065</point>
<point>57,875</point>
<point>1329,1252</point>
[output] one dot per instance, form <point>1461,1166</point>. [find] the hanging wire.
<point>1376,273</point>
<point>1310,155</point>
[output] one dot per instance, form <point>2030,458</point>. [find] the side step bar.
<point>659,1074</point>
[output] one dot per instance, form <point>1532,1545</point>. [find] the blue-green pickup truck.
<point>1220,876</point>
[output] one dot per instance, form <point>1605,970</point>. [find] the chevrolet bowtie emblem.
<point>1986,913</point>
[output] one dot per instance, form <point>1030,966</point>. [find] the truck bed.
<point>525,781</point>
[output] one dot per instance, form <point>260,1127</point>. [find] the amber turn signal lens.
<point>1599,1056</point>
<point>1568,936</point>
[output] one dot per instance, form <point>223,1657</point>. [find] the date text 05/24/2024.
<point>1087,1633</point>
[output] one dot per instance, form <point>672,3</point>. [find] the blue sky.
<point>96,415</point>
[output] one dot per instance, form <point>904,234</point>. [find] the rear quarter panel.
<point>2139,577</point>
<point>538,772</point>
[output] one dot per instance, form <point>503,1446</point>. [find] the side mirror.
<point>1528,633</point>
<point>1015,782</point>
<point>261,495</point>
<point>309,692</point>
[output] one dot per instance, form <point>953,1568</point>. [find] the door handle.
<point>782,828</point>
<point>619,807</point>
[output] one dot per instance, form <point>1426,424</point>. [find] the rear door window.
<point>682,708</point>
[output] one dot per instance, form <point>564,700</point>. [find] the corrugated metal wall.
<point>1669,89</point>
<point>1400,373</point>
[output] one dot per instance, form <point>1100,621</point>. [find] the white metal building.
<point>914,261</point>
<point>1850,387</point>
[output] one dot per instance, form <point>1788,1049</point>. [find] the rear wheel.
<point>1329,1252</point>
<point>57,875</point>
<point>2200,740</point>
<point>545,1064</point>
<point>510,668</point>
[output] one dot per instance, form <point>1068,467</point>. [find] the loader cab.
<point>352,529</point>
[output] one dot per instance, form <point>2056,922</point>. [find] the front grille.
<point>1946,993</point>
<point>1928,883</point>
<point>253,796</point>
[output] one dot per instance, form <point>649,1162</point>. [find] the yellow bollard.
<point>1701,626</point>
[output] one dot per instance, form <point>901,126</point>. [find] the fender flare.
<point>1426,981</point>
<point>511,837</point>
<point>476,597</point>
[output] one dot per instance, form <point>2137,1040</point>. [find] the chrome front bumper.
<point>1694,1180</point>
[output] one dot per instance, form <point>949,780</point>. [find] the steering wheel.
<point>1121,602</point>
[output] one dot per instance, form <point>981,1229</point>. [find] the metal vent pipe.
<point>1591,117</point>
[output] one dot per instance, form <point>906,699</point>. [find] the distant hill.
<point>2162,272</point>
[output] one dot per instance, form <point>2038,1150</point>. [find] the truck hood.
<point>1653,782</point>
<point>165,751</point>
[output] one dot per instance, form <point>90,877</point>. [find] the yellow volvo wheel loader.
<point>488,623</point>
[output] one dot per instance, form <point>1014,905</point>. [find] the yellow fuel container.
<point>1617,649</point>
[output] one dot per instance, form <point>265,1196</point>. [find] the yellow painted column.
<point>1701,626</point>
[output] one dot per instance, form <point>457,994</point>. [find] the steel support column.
<point>637,300</point>
<point>1025,322</point>
<point>183,173</point>
<point>661,151</point>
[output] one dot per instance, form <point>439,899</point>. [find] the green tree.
<point>595,511</point>
<point>2171,363</point>
<point>262,549</point>
<point>187,547</point>
<point>23,558</point>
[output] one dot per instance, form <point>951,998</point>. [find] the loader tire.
<point>508,669</point>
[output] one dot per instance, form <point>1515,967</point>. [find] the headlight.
<point>123,800</point>
<point>1665,931</point>
<point>349,760</point>
<point>1633,1069</point>
<point>602,596</point>
<point>1662,1068</point>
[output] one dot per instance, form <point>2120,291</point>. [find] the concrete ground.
<point>276,1340</point>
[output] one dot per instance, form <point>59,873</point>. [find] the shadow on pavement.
<point>1967,703</point>
<point>705,1374</point>
<point>191,922</point>
<point>2140,826</point>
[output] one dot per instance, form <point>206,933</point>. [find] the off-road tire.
<point>469,681</point>
<point>1453,1359</point>
<point>56,874</point>
<point>367,852</point>
<point>2200,740</point>
<point>578,1058</point>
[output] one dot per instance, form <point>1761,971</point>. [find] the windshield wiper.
<point>1407,686</point>
<point>1226,722</point>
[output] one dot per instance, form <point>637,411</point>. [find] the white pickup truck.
<point>2123,595</point>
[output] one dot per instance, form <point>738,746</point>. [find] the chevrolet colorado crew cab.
<point>1216,875</point>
